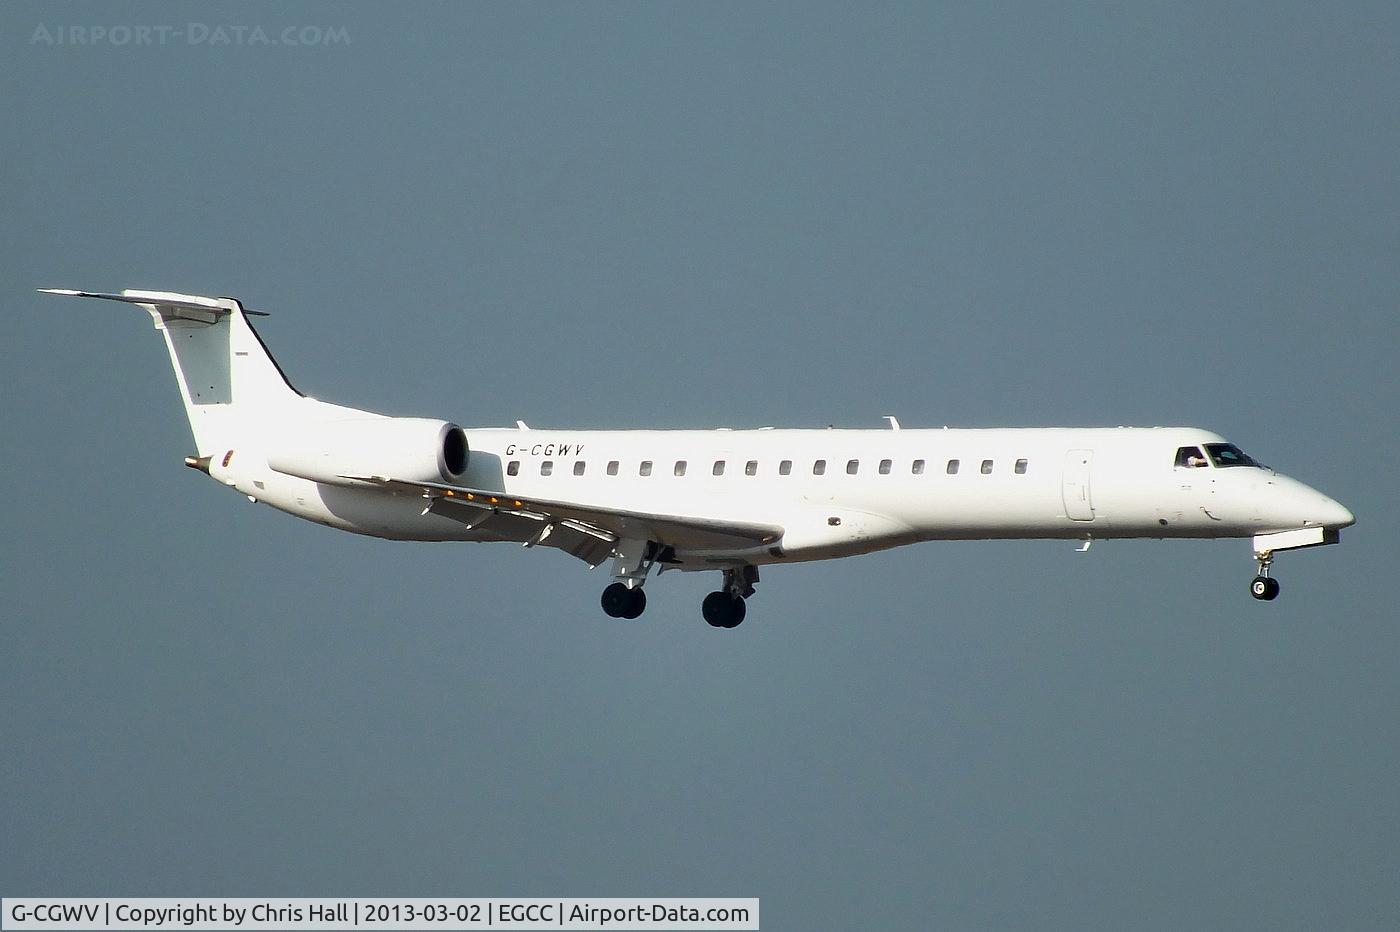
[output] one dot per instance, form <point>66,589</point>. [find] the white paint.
<point>733,502</point>
<point>1293,540</point>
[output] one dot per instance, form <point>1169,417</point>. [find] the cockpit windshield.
<point>1225,455</point>
<point>1190,458</point>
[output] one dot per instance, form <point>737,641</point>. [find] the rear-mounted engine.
<point>345,452</point>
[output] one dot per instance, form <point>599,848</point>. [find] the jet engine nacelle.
<point>413,448</point>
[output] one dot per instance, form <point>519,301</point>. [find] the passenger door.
<point>1078,496</point>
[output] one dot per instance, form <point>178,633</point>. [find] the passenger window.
<point>918,468</point>
<point>513,469</point>
<point>680,468</point>
<point>1190,458</point>
<point>1021,467</point>
<point>645,468</point>
<point>547,468</point>
<point>718,469</point>
<point>986,467</point>
<point>751,468</point>
<point>885,467</point>
<point>819,468</point>
<point>953,467</point>
<point>852,467</point>
<point>612,467</point>
<point>785,468</point>
<point>578,467</point>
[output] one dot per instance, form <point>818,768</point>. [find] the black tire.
<point>636,604</point>
<point>615,600</point>
<point>1264,588</point>
<point>715,608</point>
<point>723,610</point>
<point>737,610</point>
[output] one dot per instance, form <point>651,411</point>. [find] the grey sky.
<point>698,215</point>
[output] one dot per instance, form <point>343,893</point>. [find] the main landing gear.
<point>723,610</point>
<point>1264,587</point>
<point>726,607</point>
<point>632,561</point>
<point>621,602</point>
<point>625,599</point>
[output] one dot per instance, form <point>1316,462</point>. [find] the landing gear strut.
<point>726,608</point>
<point>621,602</point>
<point>1264,587</point>
<point>632,561</point>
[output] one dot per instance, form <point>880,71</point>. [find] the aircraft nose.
<point>1298,505</point>
<point>1335,514</point>
<point>1328,512</point>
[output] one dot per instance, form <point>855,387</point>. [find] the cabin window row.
<point>885,467</point>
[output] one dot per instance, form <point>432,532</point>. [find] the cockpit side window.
<point>1190,458</point>
<point>1225,455</point>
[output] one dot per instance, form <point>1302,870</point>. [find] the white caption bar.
<point>369,913</point>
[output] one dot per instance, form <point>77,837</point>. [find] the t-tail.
<point>238,399</point>
<point>227,378</point>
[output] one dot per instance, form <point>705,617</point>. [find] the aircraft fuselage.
<point>842,492</point>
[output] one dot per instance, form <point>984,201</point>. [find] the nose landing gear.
<point>1264,587</point>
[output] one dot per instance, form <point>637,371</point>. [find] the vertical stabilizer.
<point>228,380</point>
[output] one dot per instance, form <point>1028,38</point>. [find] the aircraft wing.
<point>586,531</point>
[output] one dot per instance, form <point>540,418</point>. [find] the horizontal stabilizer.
<point>170,304</point>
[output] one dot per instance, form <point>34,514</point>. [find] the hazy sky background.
<point>698,215</point>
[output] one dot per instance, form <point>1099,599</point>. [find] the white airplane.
<point>727,500</point>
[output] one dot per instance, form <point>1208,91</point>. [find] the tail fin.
<point>228,380</point>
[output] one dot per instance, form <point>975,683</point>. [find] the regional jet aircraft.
<point>725,500</point>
